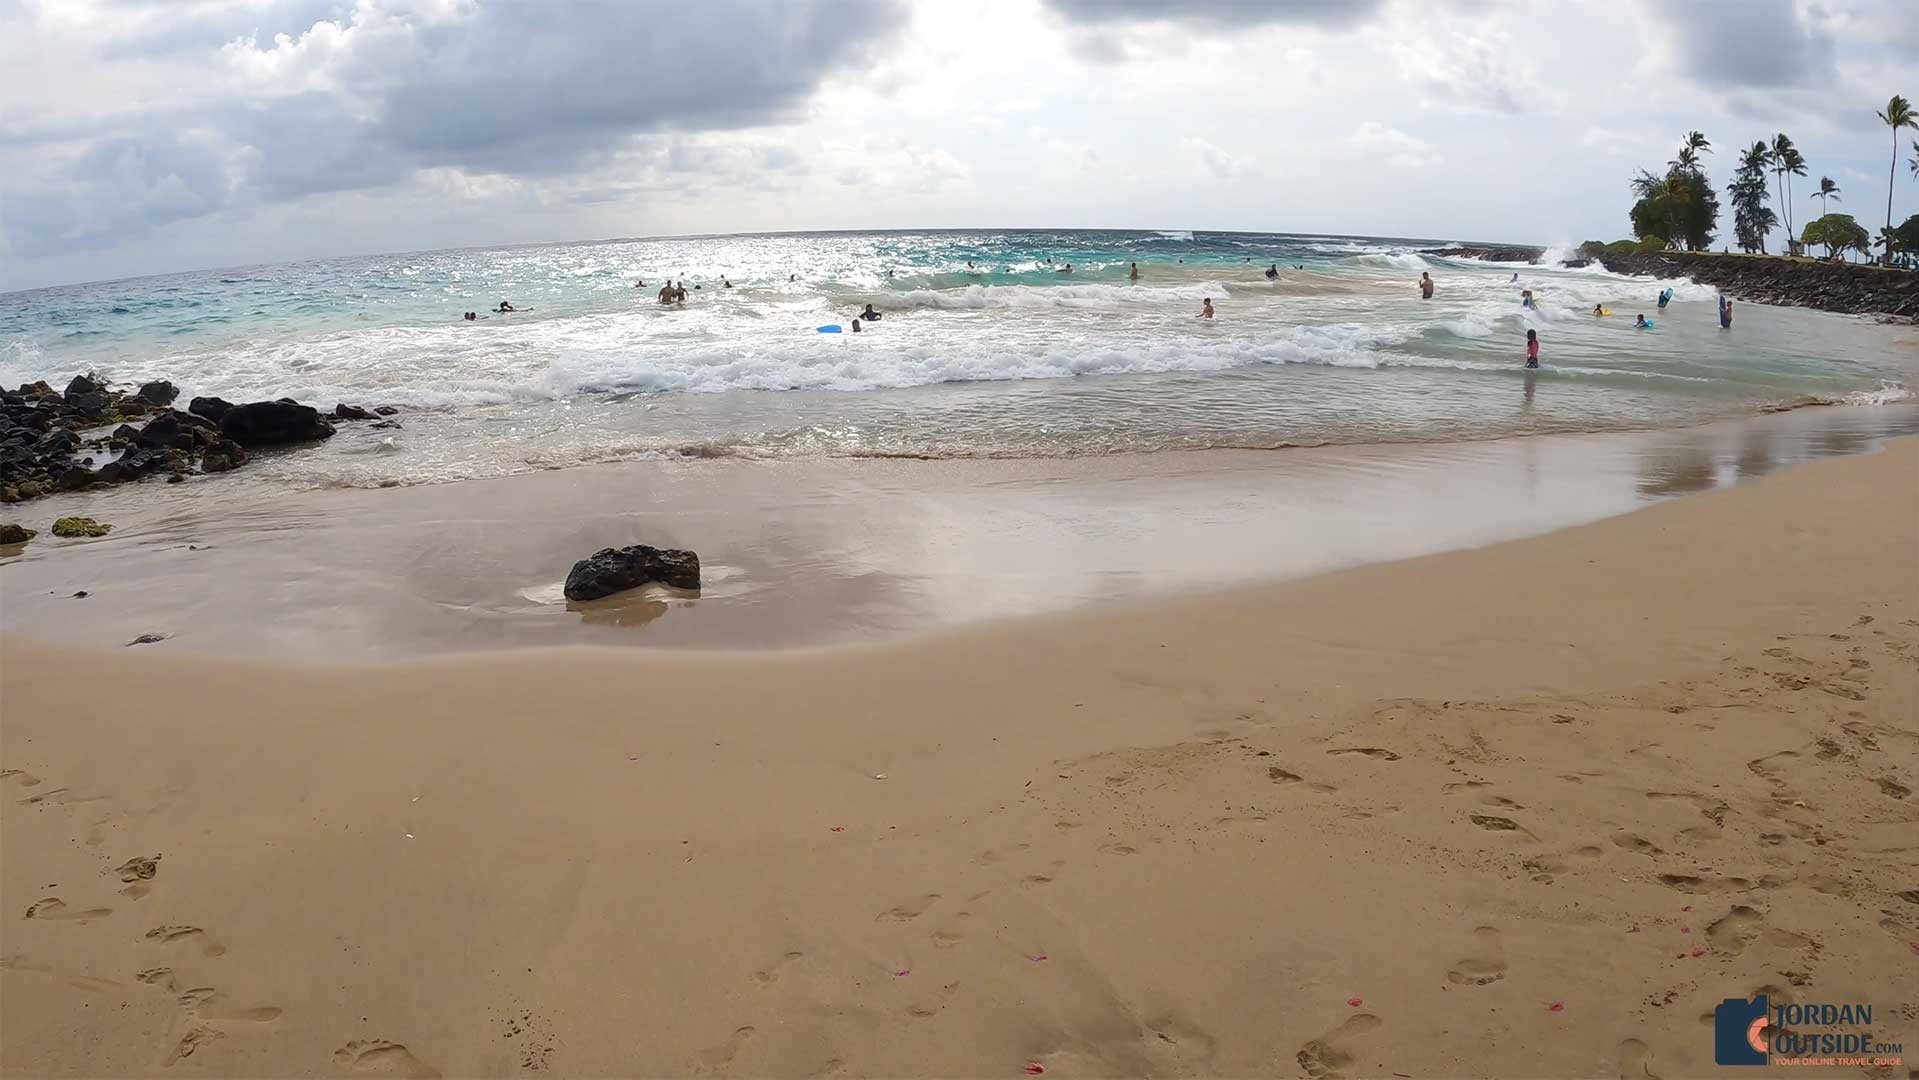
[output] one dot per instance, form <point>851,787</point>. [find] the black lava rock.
<point>159,392</point>
<point>212,408</point>
<point>613,570</point>
<point>272,423</point>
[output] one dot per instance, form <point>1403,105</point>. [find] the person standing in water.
<point>1665,295</point>
<point>1725,314</point>
<point>1425,285</point>
<point>1133,274</point>
<point>1206,309</point>
<point>1532,348</point>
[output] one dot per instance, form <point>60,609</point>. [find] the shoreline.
<point>830,552</point>
<point>1776,281</point>
<point>1531,808</point>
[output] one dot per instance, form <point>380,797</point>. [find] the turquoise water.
<point>1010,359</point>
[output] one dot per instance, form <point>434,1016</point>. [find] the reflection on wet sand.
<point>830,550</point>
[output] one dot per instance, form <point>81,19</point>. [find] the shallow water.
<point>1013,360</point>
<point>831,551</point>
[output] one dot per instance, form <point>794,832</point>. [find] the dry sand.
<point>1528,810</point>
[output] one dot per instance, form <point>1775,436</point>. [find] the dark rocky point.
<point>351,412</point>
<point>273,423</point>
<point>612,570</point>
<point>15,534</point>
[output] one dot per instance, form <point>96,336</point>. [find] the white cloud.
<point>1393,146</point>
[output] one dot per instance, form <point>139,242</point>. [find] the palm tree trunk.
<point>1892,176</point>
<point>1779,188</point>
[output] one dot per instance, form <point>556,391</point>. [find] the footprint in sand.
<point>771,972</point>
<point>26,779</point>
<point>167,935</point>
<point>1736,931</point>
<point>1500,801</point>
<point>1369,751</point>
<point>140,868</point>
<point>1118,849</point>
<point>1034,881</point>
<point>1893,788</point>
<point>909,910</point>
<point>993,855</point>
<point>1637,844</point>
<point>1486,965</point>
<point>209,1004</point>
<point>1635,1061</point>
<point>196,1037</point>
<point>933,1003</point>
<point>55,908</point>
<point>1497,824</point>
<point>1687,883</point>
<point>1323,1057</point>
<point>382,1058</point>
<point>722,1055</point>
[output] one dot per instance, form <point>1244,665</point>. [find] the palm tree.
<point>1827,190</point>
<point>1786,162</point>
<point>1897,114</point>
<point>1913,161</point>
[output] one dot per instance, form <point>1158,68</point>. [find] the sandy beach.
<point>1528,809</point>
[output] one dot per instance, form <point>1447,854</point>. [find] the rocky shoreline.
<point>67,440</point>
<point>1840,287</point>
<point>1846,288</point>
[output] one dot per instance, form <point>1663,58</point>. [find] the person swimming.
<point>471,316</point>
<point>725,284</point>
<point>1532,348</point>
<point>1425,285</point>
<point>1598,310</point>
<point>1640,323</point>
<point>1526,299</point>
<point>1206,309</point>
<point>1272,272</point>
<point>1665,295</point>
<point>856,326</point>
<point>869,314</point>
<point>679,292</point>
<point>640,284</point>
<point>1065,269</point>
<point>505,307</point>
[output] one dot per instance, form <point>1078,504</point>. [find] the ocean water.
<point>1009,359</point>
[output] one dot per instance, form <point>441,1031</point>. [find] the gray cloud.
<point>1331,14</point>
<point>1748,43</point>
<point>376,94</point>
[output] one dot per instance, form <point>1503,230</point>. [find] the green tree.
<point>1679,209</point>
<point>1912,162</point>
<point>1827,190</point>
<point>1897,114</point>
<point>1839,232</point>
<point>1752,219</point>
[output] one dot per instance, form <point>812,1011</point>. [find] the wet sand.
<point>827,552</point>
<point>1529,809</point>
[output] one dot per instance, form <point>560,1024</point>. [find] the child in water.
<point>1640,323</point>
<point>1532,348</point>
<point>1206,309</point>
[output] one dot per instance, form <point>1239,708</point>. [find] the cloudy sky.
<point>145,136</point>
